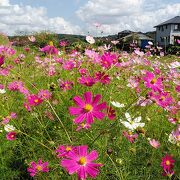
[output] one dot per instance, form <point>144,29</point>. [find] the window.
<point>177,27</point>
<point>162,39</point>
<point>159,28</point>
<point>166,26</point>
<point>162,28</point>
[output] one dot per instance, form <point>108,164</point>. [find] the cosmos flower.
<point>87,109</point>
<point>32,38</point>
<point>11,136</point>
<point>81,162</point>
<point>111,113</point>
<point>44,94</point>
<point>117,104</point>
<point>87,81</point>
<point>1,60</point>
<point>83,126</point>
<point>36,168</point>
<point>63,151</point>
<point>167,163</point>
<point>152,82</point>
<point>34,100</point>
<point>154,143</point>
<point>90,39</point>
<point>130,136</point>
<point>132,124</point>
<point>9,128</point>
<point>102,77</point>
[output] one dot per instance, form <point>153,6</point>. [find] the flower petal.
<point>88,97</point>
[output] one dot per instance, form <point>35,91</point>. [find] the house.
<point>168,32</point>
<point>141,39</point>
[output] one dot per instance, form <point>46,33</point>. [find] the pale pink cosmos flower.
<point>83,126</point>
<point>44,94</point>
<point>81,162</point>
<point>87,109</point>
<point>154,143</point>
<point>32,38</point>
<point>130,136</point>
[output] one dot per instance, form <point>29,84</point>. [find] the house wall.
<point>161,32</point>
<point>174,33</point>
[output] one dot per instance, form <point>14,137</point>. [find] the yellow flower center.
<point>154,80</point>
<point>88,107</point>
<point>82,161</point>
<point>162,98</point>
<point>68,148</point>
<point>36,100</point>
<point>51,43</point>
<point>39,168</point>
<point>82,124</point>
<point>168,163</point>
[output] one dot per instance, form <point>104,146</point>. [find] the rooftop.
<point>175,20</point>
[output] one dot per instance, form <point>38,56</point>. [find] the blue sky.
<point>80,16</point>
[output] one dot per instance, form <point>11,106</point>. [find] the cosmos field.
<point>92,112</point>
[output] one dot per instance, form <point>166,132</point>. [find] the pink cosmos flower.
<point>163,99</point>
<point>83,71</point>
<point>108,59</point>
<point>87,109</point>
<point>27,106</point>
<point>63,151</point>
<point>68,65</point>
<point>152,82</point>
<point>154,143</point>
<point>32,38</point>
<point>35,168</point>
<point>34,100</point>
<point>102,77</point>
<point>11,136</point>
<point>81,162</point>
<point>83,126</point>
<point>130,136</point>
<point>87,81</point>
<point>65,85</point>
<point>63,43</point>
<point>1,60</point>
<point>111,113</point>
<point>44,94</point>
<point>49,50</point>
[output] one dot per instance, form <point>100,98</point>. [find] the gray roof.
<point>175,20</point>
<point>139,36</point>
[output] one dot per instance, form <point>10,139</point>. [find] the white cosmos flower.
<point>9,128</point>
<point>2,91</point>
<point>90,39</point>
<point>117,104</point>
<point>132,124</point>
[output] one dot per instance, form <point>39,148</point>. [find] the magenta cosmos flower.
<point>167,162</point>
<point>87,109</point>
<point>63,151</point>
<point>11,136</point>
<point>34,100</point>
<point>37,167</point>
<point>81,162</point>
<point>152,82</point>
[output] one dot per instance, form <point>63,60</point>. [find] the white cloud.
<point>18,18</point>
<point>137,15</point>
<point>4,2</point>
